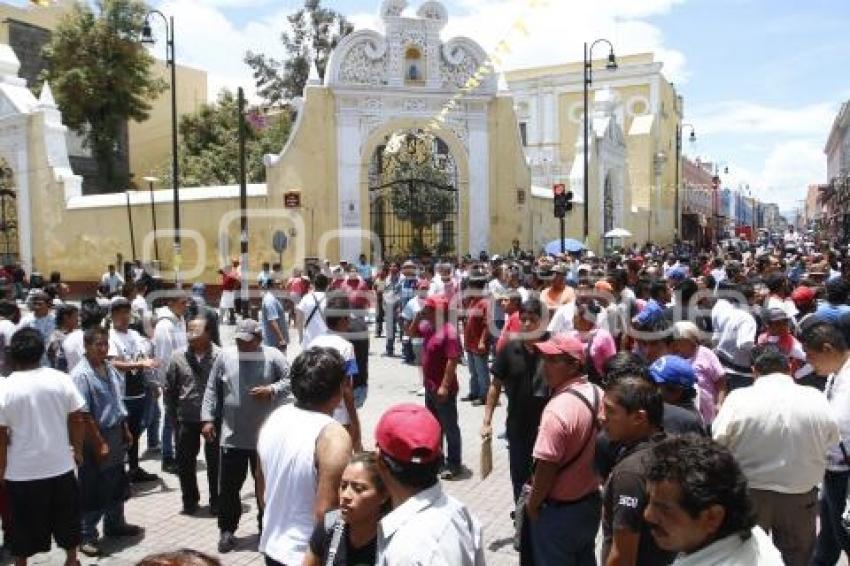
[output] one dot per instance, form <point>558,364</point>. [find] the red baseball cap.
<point>803,295</point>
<point>409,434</point>
<point>562,344</point>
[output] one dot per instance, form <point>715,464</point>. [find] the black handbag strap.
<point>318,308</point>
<point>594,411</point>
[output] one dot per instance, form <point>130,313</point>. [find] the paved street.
<point>157,506</point>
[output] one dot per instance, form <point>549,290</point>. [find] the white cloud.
<point>558,30</point>
<point>751,118</point>
<point>788,169</point>
<point>207,40</point>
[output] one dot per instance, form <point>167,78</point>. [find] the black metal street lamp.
<point>151,181</point>
<point>130,222</point>
<point>148,39</point>
<point>588,80</point>
<point>692,139</point>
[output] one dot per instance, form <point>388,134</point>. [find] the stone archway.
<point>374,96</point>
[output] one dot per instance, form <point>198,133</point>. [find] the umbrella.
<point>618,233</point>
<point>570,245</point>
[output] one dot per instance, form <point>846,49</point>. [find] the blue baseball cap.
<point>673,370</point>
<point>650,313</point>
<point>677,274</point>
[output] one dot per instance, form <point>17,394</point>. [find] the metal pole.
<point>587,79</point>
<point>130,220</point>
<point>563,235</point>
<point>678,166</point>
<point>153,222</point>
<point>243,204</point>
<point>175,169</point>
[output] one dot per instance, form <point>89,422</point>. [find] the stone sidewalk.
<point>157,506</point>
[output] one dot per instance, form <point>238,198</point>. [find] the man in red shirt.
<point>476,336</point>
<point>440,354</point>
<point>231,282</point>
<point>356,289</point>
<point>564,504</point>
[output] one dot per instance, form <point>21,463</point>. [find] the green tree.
<point>101,75</point>
<point>315,33</point>
<point>209,151</point>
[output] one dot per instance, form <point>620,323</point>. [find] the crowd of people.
<point>691,406</point>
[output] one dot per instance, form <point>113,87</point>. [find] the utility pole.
<point>243,207</point>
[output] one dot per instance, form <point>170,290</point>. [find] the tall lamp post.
<point>130,222</point>
<point>151,181</point>
<point>691,138</point>
<point>148,39</point>
<point>588,80</point>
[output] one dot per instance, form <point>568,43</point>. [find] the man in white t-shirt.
<point>310,311</point>
<point>337,316</point>
<point>168,337</point>
<point>112,280</point>
<point>130,354</point>
<point>91,315</point>
<point>10,316</point>
<point>40,408</point>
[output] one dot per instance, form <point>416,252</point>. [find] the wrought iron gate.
<point>9,252</point>
<point>413,197</point>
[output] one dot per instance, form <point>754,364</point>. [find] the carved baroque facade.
<point>373,89</point>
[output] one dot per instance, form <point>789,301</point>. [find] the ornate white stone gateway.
<point>402,78</point>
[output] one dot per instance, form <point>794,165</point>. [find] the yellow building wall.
<point>80,243</point>
<point>509,173</point>
<point>308,165</point>
<point>150,141</point>
<point>47,17</point>
<point>645,192</point>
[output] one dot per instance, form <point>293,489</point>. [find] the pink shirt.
<point>602,347</point>
<point>709,373</point>
<point>564,429</point>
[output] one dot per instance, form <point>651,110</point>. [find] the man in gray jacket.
<point>185,383</point>
<point>246,384</point>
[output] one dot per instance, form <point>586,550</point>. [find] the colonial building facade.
<point>640,193</point>
<point>407,148</point>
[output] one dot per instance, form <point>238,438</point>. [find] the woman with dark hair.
<point>349,535</point>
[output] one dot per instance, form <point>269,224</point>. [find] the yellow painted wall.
<point>309,166</point>
<point>645,192</point>
<point>508,174</point>
<point>150,141</point>
<point>81,242</point>
<point>47,17</point>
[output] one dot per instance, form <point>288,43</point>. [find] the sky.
<point>762,80</point>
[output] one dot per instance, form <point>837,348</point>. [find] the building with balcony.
<point>835,195</point>
<point>699,203</point>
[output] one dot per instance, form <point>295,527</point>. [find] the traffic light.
<point>563,200</point>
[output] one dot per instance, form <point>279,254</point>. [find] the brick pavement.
<point>157,506</point>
